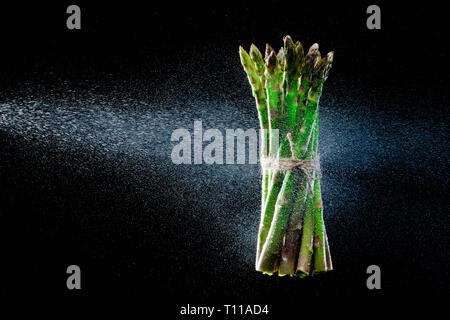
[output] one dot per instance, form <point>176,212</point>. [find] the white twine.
<point>306,166</point>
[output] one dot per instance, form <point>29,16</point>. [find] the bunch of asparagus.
<point>287,87</point>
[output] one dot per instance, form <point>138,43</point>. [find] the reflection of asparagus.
<point>287,88</point>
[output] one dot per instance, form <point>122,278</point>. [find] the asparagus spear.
<point>306,248</point>
<point>327,252</point>
<point>294,229</point>
<point>258,61</point>
<point>322,257</point>
<point>320,264</point>
<point>254,67</point>
<point>275,103</point>
<point>315,210</point>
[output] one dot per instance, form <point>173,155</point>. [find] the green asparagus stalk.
<point>322,258</point>
<point>277,115</point>
<point>254,67</point>
<point>320,264</point>
<point>258,61</point>
<point>327,252</point>
<point>293,234</point>
<point>315,209</point>
<point>294,230</point>
<point>306,247</point>
<point>319,255</point>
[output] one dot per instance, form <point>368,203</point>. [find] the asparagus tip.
<point>269,50</point>
<point>314,47</point>
<point>330,56</point>
<point>288,42</point>
<point>271,61</point>
<point>255,54</point>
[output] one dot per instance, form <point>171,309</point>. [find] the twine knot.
<point>307,166</point>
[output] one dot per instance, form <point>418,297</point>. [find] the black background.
<point>52,216</point>
<point>407,48</point>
